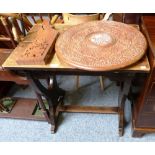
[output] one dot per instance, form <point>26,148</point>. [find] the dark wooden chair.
<point>10,36</point>
<point>13,28</point>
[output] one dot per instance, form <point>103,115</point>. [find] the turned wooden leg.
<point>123,93</point>
<point>101,82</point>
<point>137,134</point>
<point>121,116</point>
<point>52,118</point>
<point>49,81</point>
<point>42,106</point>
<point>121,99</point>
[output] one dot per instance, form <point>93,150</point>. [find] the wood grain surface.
<point>142,65</point>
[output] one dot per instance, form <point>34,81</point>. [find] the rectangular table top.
<point>10,63</point>
<point>4,54</point>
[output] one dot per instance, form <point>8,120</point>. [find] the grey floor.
<point>74,126</point>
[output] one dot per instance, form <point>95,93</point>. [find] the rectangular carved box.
<point>40,51</point>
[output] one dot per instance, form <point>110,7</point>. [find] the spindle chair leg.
<point>101,82</point>
<point>5,24</point>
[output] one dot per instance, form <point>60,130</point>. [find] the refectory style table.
<point>55,95</point>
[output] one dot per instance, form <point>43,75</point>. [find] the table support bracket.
<point>54,95</point>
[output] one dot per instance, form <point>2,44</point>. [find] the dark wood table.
<point>54,95</point>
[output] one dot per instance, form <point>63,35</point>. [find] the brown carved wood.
<point>55,67</point>
<point>40,50</point>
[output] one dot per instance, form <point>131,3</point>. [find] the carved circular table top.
<point>101,46</point>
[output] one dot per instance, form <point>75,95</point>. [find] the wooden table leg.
<point>53,96</point>
<point>123,93</point>
<point>42,106</point>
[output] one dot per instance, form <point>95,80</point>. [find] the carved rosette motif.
<point>101,45</point>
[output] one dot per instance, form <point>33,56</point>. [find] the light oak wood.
<point>62,26</point>
<point>53,20</point>
<point>77,19</point>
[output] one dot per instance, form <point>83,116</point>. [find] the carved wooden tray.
<point>40,51</point>
<point>101,46</point>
